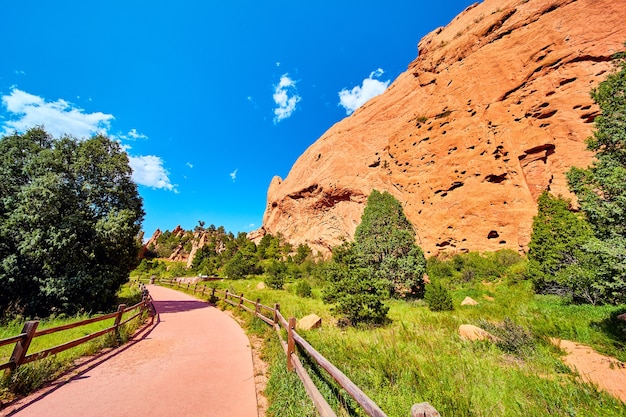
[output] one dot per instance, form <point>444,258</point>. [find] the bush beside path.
<point>196,361</point>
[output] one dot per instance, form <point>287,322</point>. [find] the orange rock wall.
<point>495,109</point>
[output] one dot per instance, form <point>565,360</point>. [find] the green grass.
<point>33,375</point>
<point>420,356</point>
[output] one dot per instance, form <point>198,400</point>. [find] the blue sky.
<point>211,99</point>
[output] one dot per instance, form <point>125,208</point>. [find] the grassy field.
<point>419,356</point>
<point>31,376</point>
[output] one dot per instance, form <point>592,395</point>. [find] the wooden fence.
<point>275,319</point>
<point>29,332</point>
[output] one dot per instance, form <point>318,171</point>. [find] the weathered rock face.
<point>495,109</point>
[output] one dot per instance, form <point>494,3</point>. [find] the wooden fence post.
<point>290,343</point>
<point>21,347</point>
<point>256,307</point>
<point>213,295</point>
<point>225,295</point>
<point>276,310</point>
<point>118,319</point>
<point>240,300</point>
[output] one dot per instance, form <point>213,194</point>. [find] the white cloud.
<point>189,164</point>
<point>136,135</point>
<point>233,175</point>
<point>58,117</point>
<point>61,117</point>
<point>359,95</point>
<point>286,97</point>
<point>148,170</point>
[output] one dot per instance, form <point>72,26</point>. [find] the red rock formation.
<point>153,240</point>
<point>494,110</point>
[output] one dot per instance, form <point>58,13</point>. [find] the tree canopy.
<point>69,219</point>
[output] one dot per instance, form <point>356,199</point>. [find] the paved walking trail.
<point>196,361</point>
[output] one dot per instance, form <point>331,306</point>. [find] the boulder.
<point>474,333</point>
<point>469,301</point>
<point>260,286</point>
<point>312,321</point>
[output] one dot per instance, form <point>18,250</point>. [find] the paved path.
<point>196,361</point>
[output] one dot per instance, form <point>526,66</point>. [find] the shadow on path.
<point>169,306</point>
<point>77,371</point>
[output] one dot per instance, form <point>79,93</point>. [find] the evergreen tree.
<point>601,192</point>
<point>385,240</point>
<point>357,293</point>
<point>382,261</point>
<point>585,258</point>
<point>556,245</point>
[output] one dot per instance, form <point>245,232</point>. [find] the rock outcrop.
<point>494,110</point>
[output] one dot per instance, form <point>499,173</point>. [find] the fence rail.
<point>278,322</point>
<point>29,332</point>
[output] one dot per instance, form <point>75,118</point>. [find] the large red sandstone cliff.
<point>495,109</point>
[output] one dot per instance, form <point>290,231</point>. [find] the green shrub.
<point>438,297</point>
<point>276,272</point>
<point>438,269</point>
<point>303,288</point>
<point>512,338</point>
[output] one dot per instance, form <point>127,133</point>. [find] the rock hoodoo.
<point>494,110</point>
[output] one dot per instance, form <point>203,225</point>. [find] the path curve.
<point>196,361</point>
<point>606,372</point>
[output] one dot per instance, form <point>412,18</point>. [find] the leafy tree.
<point>240,266</point>
<point>69,218</point>
<point>385,240</point>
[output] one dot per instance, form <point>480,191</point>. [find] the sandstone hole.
<point>496,179</point>
<point>589,117</point>
<point>493,234</point>
<point>547,115</point>
<point>567,81</point>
